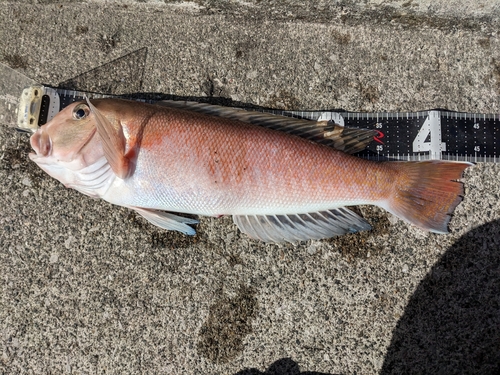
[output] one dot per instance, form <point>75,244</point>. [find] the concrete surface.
<point>88,288</point>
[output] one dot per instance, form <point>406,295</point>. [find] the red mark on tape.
<point>378,137</point>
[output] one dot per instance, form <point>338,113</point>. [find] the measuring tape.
<point>432,134</point>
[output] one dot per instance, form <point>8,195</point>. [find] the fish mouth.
<point>41,143</point>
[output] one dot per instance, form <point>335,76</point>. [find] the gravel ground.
<point>90,288</point>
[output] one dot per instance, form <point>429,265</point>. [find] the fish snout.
<point>41,143</point>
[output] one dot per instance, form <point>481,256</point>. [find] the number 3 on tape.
<point>431,129</point>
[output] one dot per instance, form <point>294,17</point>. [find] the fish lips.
<point>41,143</point>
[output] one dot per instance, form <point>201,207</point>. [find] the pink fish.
<point>208,160</point>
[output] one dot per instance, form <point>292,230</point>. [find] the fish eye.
<point>80,111</point>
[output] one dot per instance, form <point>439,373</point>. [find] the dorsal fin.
<point>349,140</point>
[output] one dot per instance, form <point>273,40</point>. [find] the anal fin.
<point>301,227</point>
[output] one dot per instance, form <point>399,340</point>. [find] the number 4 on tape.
<point>431,129</point>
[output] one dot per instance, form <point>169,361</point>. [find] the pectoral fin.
<point>113,142</point>
<point>301,227</point>
<point>167,220</point>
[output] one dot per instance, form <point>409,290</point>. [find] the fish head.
<point>68,143</point>
<point>65,135</point>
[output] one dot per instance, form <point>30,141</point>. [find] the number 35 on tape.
<point>433,134</point>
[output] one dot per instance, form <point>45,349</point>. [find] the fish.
<point>280,178</point>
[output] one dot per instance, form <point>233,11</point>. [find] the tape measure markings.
<point>420,135</point>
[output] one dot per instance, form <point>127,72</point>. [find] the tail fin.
<point>427,192</point>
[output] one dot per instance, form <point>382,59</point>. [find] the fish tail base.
<point>427,192</point>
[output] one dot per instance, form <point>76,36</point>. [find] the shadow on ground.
<point>452,323</point>
<point>284,366</point>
